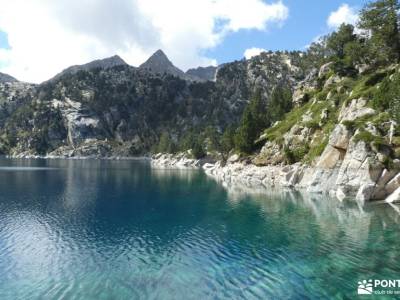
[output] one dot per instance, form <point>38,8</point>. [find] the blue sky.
<point>307,20</point>
<point>3,40</point>
<point>49,36</point>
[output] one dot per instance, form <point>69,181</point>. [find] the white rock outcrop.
<point>178,161</point>
<point>394,197</point>
<point>356,109</point>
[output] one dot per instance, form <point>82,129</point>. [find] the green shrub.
<point>388,162</point>
<point>296,154</point>
<point>290,119</point>
<point>166,144</point>
<point>375,78</point>
<point>397,153</point>
<point>364,136</point>
<point>316,151</point>
<point>288,155</point>
<point>350,125</point>
<point>370,139</point>
<point>321,96</point>
<point>313,124</point>
<point>198,151</point>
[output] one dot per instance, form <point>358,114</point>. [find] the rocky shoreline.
<point>358,182</point>
<point>177,161</point>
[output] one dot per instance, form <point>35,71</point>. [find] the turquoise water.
<point>120,230</point>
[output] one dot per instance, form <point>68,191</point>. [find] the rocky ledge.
<point>362,186</point>
<point>181,160</point>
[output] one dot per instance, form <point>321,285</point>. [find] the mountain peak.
<point>159,63</point>
<point>157,58</point>
<point>115,60</point>
<point>105,63</point>
<point>159,53</point>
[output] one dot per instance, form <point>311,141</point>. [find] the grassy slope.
<point>331,99</point>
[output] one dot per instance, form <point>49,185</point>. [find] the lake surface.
<point>83,229</point>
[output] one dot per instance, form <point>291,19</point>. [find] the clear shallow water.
<point>120,230</point>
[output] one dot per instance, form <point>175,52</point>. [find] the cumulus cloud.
<point>251,52</point>
<point>344,14</point>
<point>49,35</point>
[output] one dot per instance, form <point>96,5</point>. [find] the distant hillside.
<point>203,73</point>
<point>6,78</point>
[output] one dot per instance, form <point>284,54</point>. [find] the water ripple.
<point>115,231</point>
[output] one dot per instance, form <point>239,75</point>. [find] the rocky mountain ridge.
<point>123,110</point>
<point>105,63</point>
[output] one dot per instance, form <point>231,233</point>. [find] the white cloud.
<point>344,14</point>
<point>251,52</point>
<point>49,35</point>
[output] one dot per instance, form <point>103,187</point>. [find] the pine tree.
<point>381,20</point>
<point>337,40</point>
<point>254,121</point>
<point>247,132</point>
<point>198,150</point>
<point>166,145</point>
<point>279,103</point>
<point>387,97</point>
<point>213,137</point>
<point>227,140</point>
<point>258,110</point>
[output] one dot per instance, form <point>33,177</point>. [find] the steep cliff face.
<point>238,81</point>
<point>123,110</point>
<point>12,95</point>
